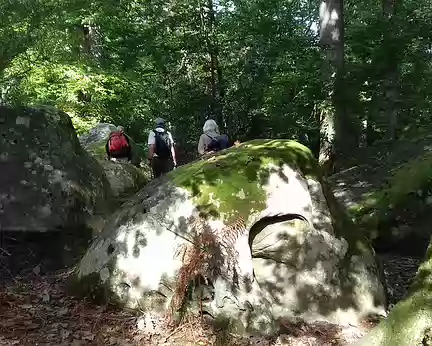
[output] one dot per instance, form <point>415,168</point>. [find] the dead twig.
<point>5,252</point>
<point>179,328</point>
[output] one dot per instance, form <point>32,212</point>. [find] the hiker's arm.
<point>173,154</point>
<point>151,145</point>
<point>201,145</point>
<point>151,151</point>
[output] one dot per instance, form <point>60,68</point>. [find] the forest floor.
<point>369,168</point>
<point>37,310</point>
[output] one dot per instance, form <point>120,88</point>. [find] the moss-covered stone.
<point>125,179</point>
<point>409,322</point>
<point>230,183</point>
<point>48,182</point>
<point>264,182</point>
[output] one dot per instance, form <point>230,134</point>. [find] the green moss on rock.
<point>237,175</point>
<point>97,150</point>
<point>409,323</point>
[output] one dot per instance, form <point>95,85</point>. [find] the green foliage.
<point>130,62</point>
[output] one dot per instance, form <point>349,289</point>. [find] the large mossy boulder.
<point>95,139</point>
<point>47,181</point>
<point>253,233</point>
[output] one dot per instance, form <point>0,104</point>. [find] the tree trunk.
<point>410,321</point>
<point>332,42</point>
<point>391,82</point>
<point>217,89</point>
<point>91,41</point>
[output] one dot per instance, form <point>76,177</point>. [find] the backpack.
<point>218,143</point>
<point>163,144</point>
<point>117,141</point>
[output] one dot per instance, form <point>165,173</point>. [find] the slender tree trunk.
<point>91,41</point>
<point>216,76</point>
<point>221,89</point>
<point>391,81</point>
<point>333,117</point>
<point>169,92</point>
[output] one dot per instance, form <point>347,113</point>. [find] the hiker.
<point>161,152</point>
<point>211,141</point>
<point>118,145</point>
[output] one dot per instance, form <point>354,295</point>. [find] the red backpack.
<point>117,141</point>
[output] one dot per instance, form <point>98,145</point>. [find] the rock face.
<point>252,231</point>
<point>94,142</point>
<point>47,181</point>
<point>125,179</point>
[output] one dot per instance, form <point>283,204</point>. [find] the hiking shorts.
<point>161,166</point>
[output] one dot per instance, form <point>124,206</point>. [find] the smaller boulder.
<point>125,179</point>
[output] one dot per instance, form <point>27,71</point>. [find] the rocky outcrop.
<point>47,181</point>
<point>125,179</point>
<point>253,233</point>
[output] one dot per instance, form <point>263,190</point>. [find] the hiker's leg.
<point>156,167</point>
<point>129,154</point>
<point>167,166</point>
<point>122,153</point>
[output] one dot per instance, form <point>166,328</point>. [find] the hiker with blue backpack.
<point>211,140</point>
<point>161,153</point>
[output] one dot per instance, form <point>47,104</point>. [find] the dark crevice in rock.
<point>110,249</point>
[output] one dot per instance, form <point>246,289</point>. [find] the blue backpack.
<point>218,143</point>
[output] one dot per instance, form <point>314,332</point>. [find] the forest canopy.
<point>257,67</point>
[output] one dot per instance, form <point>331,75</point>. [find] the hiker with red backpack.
<point>118,145</point>
<point>211,141</point>
<point>161,154</point>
